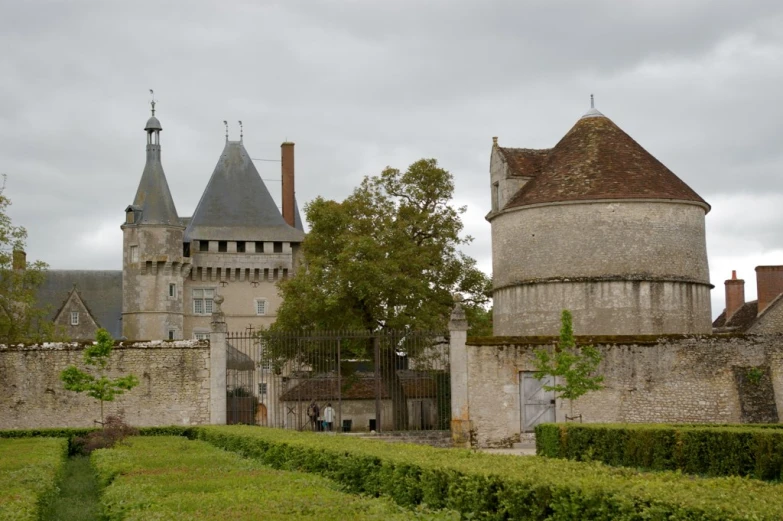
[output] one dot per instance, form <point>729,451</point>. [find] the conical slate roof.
<point>153,196</point>
<point>236,206</point>
<point>597,160</point>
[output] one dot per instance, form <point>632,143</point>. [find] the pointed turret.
<point>153,203</point>
<point>236,204</point>
<point>154,266</point>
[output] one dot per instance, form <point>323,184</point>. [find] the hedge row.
<point>484,486</point>
<point>29,469</point>
<point>703,450</point>
<point>174,478</point>
<point>77,432</point>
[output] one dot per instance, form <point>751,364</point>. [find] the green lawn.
<point>78,497</point>
<point>174,478</point>
<point>28,472</point>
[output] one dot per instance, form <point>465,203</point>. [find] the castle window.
<point>222,246</point>
<point>172,290</point>
<point>171,334</point>
<point>260,306</point>
<point>74,318</point>
<point>240,246</point>
<point>134,254</point>
<point>201,335</point>
<point>259,247</point>
<point>262,388</point>
<point>278,247</point>
<point>203,245</point>
<point>496,196</point>
<point>202,301</point>
<point>186,249</point>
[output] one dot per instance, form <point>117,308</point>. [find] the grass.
<point>175,478</point>
<point>28,473</point>
<point>79,494</point>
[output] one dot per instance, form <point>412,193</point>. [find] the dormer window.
<point>74,318</point>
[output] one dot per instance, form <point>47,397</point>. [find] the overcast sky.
<point>363,84</point>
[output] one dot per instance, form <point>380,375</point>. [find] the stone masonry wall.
<point>647,380</point>
<point>173,388</point>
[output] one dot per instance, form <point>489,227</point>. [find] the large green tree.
<point>21,319</point>
<point>387,258</point>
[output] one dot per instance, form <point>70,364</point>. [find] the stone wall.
<point>647,380</point>
<point>605,261</point>
<point>173,390</point>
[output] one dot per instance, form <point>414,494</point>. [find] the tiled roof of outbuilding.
<point>742,319</point>
<point>597,160</point>
<point>526,162</point>
<point>101,292</point>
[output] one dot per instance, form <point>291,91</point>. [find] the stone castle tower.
<point>153,265</point>
<point>237,245</point>
<point>598,226</point>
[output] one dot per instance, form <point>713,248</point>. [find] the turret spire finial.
<point>241,132</point>
<point>226,124</point>
<point>152,102</point>
<point>592,101</point>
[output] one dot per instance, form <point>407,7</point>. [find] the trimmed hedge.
<point>77,432</point>
<point>704,450</point>
<point>484,486</point>
<point>29,469</point>
<point>174,478</point>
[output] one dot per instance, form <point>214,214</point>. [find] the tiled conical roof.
<point>236,206</point>
<point>153,196</point>
<point>597,160</point>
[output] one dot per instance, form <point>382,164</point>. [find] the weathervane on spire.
<point>241,132</point>
<point>592,102</point>
<point>152,102</point>
<point>226,124</point>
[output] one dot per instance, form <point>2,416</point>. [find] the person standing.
<point>328,417</point>
<point>313,412</point>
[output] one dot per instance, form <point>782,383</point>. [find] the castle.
<point>237,244</point>
<point>598,226</point>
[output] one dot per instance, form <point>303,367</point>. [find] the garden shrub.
<point>485,486</point>
<point>174,478</point>
<point>751,451</point>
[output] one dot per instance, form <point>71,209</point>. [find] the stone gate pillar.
<point>217,365</point>
<point>458,361</point>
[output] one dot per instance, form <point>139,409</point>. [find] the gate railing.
<point>346,381</point>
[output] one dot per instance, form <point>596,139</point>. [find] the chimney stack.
<point>287,167</point>
<point>735,294</point>
<point>769,284</point>
<point>19,261</point>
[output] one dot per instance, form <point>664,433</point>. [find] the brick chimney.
<point>769,284</point>
<point>19,261</point>
<point>735,294</point>
<point>287,167</point>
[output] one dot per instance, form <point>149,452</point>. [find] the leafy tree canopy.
<point>573,367</point>
<point>99,385</point>
<point>387,257</point>
<point>21,319</point>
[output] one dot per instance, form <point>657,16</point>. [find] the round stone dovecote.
<point>598,226</point>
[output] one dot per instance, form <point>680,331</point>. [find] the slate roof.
<point>742,319</point>
<point>101,292</point>
<point>236,204</point>
<point>153,195</point>
<point>595,160</point>
<point>414,384</point>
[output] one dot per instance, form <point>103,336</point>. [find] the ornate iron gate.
<point>538,405</point>
<point>347,381</point>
